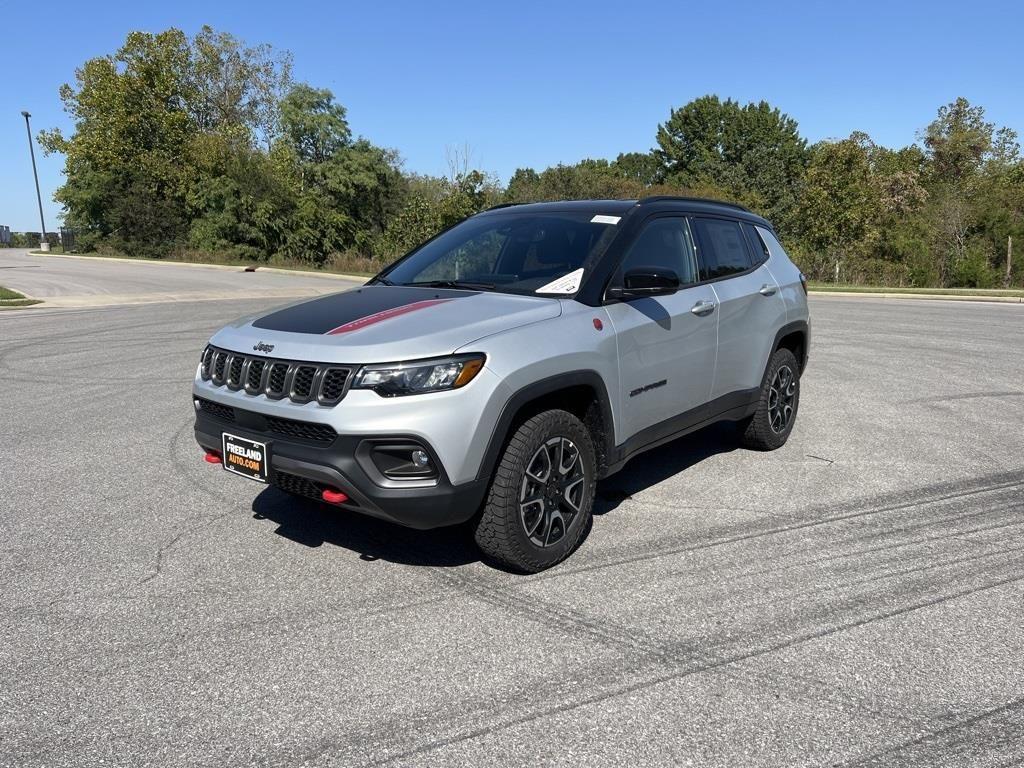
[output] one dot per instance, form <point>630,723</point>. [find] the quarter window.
<point>722,250</point>
<point>761,252</point>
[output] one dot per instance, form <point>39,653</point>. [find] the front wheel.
<point>542,494</point>
<point>771,424</point>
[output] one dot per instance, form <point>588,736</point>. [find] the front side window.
<point>509,252</point>
<point>664,243</point>
<point>722,251</point>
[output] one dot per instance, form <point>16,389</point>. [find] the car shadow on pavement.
<point>663,462</point>
<point>313,524</point>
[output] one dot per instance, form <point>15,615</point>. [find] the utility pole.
<point>44,245</point>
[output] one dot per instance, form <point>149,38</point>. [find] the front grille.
<point>235,371</point>
<point>275,381</point>
<point>300,382</point>
<point>333,386</point>
<point>303,430</point>
<point>218,411</point>
<point>254,380</point>
<point>219,362</point>
<point>207,361</point>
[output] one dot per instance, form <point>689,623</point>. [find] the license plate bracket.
<point>245,457</point>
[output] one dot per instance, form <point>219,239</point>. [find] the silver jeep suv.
<point>499,370</point>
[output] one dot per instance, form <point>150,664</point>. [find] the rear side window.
<point>722,251</point>
<point>757,244</point>
<point>664,243</point>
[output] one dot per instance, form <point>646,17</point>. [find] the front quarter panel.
<point>569,343</point>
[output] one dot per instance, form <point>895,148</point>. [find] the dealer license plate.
<point>245,457</point>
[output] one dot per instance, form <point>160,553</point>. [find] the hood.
<point>380,324</point>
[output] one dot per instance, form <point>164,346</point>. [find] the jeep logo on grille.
<point>261,347</point>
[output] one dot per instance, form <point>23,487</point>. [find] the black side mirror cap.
<point>646,281</point>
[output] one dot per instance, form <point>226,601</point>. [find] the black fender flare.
<point>797,326</point>
<point>536,390</point>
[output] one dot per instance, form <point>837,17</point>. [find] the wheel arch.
<point>795,337</point>
<point>582,393</point>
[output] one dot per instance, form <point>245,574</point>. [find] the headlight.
<point>420,376</point>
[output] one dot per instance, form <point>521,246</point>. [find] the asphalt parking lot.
<point>856,598</point>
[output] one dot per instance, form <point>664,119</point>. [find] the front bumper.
<point>306,467</point>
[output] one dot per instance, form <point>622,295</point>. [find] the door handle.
<point>702,308</point>
<point>768,290</point>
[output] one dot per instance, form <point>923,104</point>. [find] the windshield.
<point>510,252</point>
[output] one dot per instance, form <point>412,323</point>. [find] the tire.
<point>536,513</point>
<point>777,406</point>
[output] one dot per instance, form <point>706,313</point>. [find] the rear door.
<point>666,343</point>
<point>750,308</point>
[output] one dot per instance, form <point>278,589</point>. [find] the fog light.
<point>398,461</point>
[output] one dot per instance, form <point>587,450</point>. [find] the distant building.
<point>5,235</point>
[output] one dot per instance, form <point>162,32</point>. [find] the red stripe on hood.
<point>387,314</point>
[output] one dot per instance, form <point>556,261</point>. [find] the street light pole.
<point>44,245</point>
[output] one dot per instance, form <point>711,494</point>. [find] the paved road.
<point>856,598</point>
<point>81,282</point>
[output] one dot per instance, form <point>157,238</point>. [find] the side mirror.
<point>646,281</point>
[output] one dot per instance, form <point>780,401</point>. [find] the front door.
<point>667,344</point>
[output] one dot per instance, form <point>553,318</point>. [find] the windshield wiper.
<point>382,281</point>
<point>469,284</point>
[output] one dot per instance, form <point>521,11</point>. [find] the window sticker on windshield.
<point>602,219</point>
<point>566,284</point>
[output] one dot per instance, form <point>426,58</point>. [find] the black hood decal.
<point>334,312</point>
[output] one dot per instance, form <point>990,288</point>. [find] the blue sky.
<point>536,83</point>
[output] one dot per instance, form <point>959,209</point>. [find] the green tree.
<point>839,206</point>
<point>958,141</point>
<point>236,87</point>
<point>139,117</point>
<point>131,131</point>
<point>641,167</point>
<point>313,124</point>
<point>971,164</point>
<point>752,152</point>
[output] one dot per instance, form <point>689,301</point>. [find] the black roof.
<point>621,207</point>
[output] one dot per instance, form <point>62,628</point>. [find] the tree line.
<point>206,145</point>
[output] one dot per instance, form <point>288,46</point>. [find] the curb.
<point>229,267</point>
<point>97,301</point>
<point>920,296</point>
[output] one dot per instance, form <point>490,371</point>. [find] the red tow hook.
<point>212,457</point>
<point>331,496</point>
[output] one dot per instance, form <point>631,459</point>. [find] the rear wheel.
<point>771,424</point>
<point>540,500</point>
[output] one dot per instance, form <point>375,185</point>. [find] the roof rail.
<point>683,199</point>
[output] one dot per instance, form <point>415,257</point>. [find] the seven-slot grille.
<point>277,379</point>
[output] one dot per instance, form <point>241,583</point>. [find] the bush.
<point>975,269</point>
